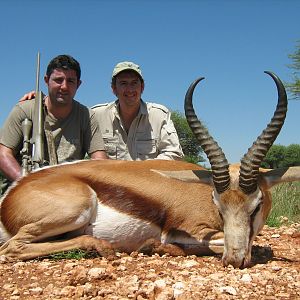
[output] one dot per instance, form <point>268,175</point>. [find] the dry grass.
<point>286,204</point>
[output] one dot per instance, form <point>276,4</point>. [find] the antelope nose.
<point>237,261</point>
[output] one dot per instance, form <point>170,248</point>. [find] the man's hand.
<point>8,164</point>
<point>28,96</point>
<point>99,155</point>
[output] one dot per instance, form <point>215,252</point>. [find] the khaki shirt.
<point>73,137</point>
<point>151,135</point>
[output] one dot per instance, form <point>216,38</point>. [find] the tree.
<point>282,156</point>
<point>189,143</point>
<point>292,155</point>
<point>294,87</point>
<point>274,157</point>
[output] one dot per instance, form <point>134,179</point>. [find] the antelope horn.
<point>251,161</point>
<point>216,157</point>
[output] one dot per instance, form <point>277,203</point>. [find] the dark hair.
<point>65,62</point>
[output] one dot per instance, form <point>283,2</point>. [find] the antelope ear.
<point>281,175</point>
<point>199,176</point>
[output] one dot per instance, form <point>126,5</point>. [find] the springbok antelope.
<point>151,206</point>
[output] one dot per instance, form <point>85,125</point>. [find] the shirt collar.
<point>142,111</point>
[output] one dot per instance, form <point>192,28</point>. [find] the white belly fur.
<point>123,231</point>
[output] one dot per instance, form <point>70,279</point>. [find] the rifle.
<point>34,160</point>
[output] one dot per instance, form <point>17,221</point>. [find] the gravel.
<point>273,275</point>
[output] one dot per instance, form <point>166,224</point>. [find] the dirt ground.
<point>275,274</point>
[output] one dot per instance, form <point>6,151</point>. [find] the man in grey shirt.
<point>72,126</point>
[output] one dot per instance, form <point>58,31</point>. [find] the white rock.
<point>179,285</point>
<point>3,259</point>
<point>19,264</point>
<point>8,286</point>
<point>88,287</point>
<point>69,266</point>
<point>160,283</point>
<point>275,236</point>
<point>36,291</point>
<point>276,268</point>
<point>121,268</point>
<point>178,288</point>
<point>216,276</point>
<point>44,265</point>
<point>96,272</point>
<point>228,289</point>
<point>15,292</point>
<point>190,263</point>
<point>246,278</point>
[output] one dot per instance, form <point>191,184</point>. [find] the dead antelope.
<point>151,206</point>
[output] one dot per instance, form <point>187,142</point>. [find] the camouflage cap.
<point>126,65</point>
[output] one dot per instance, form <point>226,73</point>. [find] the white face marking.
<point>124,231</point>
<point>255,199</point>
<point>240,227</point>
<point>258,221</point>
<point>249,206</point>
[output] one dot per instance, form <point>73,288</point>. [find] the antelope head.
<point>240,192</point>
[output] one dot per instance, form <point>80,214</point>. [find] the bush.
<point>189,143</point>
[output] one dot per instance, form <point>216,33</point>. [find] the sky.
<point>230,43</point>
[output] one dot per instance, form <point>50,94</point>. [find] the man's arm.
<point>169,146</point>
<point>11,139</point>
<point>8,164</point>
<point>93,138</point>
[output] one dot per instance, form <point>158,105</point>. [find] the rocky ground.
<point>275,274</point>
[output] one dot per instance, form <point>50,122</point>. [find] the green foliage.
<point>189,143</point>
<point>285,204</point>
<point>292,155</point>
<point>294,86</point>
<point>274,157</point>
<point>282,156</point>
<point>73,254</point>
<point>286,196</point>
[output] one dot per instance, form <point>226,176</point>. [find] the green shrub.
<point>285,204</point>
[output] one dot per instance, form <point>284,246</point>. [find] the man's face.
<point>128,88</point>
<point>62,86</point>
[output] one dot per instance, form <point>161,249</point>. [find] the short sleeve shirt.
<point>152,134</point>
<point>74,136</point>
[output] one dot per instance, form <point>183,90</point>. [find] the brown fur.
<point>48,203</point>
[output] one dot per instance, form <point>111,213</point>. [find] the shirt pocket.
<point>146,149</point>
<point>110,145</point>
